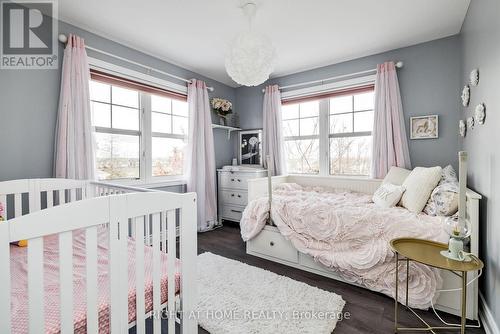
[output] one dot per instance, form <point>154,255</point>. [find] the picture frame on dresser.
<point>250,143</point>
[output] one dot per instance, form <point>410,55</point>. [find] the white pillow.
<point>396,175</point>
<point>419,185</point>
<point>388,195</point>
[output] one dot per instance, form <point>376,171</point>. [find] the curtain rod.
<point>63,39</point>
<point>399,64</point>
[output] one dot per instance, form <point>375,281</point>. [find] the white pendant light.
<point>250,60</point>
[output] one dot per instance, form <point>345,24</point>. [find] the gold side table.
<point>428,252</point>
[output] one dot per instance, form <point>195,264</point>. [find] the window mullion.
<point>324,130</point>
<point>146,156</point>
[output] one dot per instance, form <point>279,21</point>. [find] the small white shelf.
<point>229,129</point>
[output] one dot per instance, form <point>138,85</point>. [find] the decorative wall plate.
<point>480,113</point>
<point>466,95</point>
<point>474,77</point>
<point>461,128</point>
<point>470,123</point>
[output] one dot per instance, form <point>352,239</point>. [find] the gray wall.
<point>428,81</point>
<point>481,49</point>
<point>28,109</point>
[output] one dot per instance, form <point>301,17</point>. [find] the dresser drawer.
<point>232,213</point>
<point>272,243</point>
<point>233,197</point>
<point>235,180</point>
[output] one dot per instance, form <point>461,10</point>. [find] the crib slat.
<point>188,247</point>
<point>66,280</point>
<point>139,274</point>
<point>35,285</point>
<point>114,278</point>
<point>171,242</point>
<point>72,195</point>
<point>156,274</point>
<point>5,321</point>
<point>18,209</point>
<point>118,227</point>
<point>50,199</point>
<point>91,273</point>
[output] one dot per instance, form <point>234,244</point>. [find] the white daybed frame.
<point>271,245</point>
<point>86,205</point>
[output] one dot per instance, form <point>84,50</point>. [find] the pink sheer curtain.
<point>272,134</point>
<point>200,155</point>
<point>74,154</point>
<point>390,144</point>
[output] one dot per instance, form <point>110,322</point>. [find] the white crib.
<point>37,208</point>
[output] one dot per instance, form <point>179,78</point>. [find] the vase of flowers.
<point>222,108</point>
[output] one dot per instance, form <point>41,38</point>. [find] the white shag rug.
<point>236,298</point>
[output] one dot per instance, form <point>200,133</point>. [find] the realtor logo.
<point>29,35</point>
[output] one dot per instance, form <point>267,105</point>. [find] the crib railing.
<point>174,214</point>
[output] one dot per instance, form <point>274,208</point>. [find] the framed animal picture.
<point>424,127</point>
<point>251,147</point>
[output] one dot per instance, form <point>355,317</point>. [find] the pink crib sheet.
<point>19,283</point>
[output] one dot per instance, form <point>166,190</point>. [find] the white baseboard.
<point>489,324</point>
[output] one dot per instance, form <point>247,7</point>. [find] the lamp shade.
<point>250,59</point>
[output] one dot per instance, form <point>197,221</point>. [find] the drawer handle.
<point>238,195</point>
<point>232,195</point>
<point>239,180</point>
<point>236,211</point>
<point>271,243</point>
<point>232,180</point>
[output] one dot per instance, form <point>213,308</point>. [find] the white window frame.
<point>146,178</point>
<point>324,119</point>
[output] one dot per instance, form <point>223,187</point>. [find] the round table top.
<point>428,252</point>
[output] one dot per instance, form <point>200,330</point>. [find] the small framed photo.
<point>424,127</point>
<point>250,147</point>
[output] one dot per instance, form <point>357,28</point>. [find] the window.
<point>351,123</point>
<point>140,135</point>
<point>339,125</point>
<point>115,114</point>
<point>301,134</point>
<point>169,125</point>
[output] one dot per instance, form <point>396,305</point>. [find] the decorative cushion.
<point>388,195</point>
<point>444,198</point>
<point>419,186</point>
<point>396,175</point>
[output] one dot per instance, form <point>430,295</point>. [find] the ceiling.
<point>195,34</point>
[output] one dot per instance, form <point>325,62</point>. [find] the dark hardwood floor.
<point>370,312</point>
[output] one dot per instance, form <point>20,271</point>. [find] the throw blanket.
<point>348,233</point>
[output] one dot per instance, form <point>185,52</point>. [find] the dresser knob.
<point>232,195</point>
<point>239,180</point>
<point>232,180</point>
<point>271,243</point>
<point>238,195</point>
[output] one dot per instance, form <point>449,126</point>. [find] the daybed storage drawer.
<point>232,213</point>
<point>309,262</point>
<point>233,197</point>
<point>273,244</point>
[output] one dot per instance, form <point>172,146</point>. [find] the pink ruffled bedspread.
<point>348,233</point>
<point>19,283</point>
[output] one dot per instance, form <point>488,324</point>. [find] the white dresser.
<point>233,191</point>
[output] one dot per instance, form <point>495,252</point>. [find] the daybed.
<point>284,243</point>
